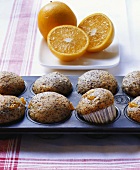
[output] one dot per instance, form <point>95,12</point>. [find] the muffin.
<point>11,108</point>
<point>11,84</point>
<point>96,79</point>
<point>49,107</point>
<point>133,109</point>
<point>131,84</point>
<point>97,106</point>
<point>55,82</point>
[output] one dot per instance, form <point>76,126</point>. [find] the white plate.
<point>108,58</point>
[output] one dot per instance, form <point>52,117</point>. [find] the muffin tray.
<point>75,124</point>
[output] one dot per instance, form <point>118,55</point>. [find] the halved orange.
<point>67,42</point>
<point>100,30</point>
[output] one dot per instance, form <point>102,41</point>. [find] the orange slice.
<point>100,30</point>
<point>67,42</point>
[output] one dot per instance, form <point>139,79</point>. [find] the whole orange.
<point>54,14</point>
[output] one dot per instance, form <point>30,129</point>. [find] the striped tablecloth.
<point>19,35</point>
<point>70,152</point>
<point>18,44</point>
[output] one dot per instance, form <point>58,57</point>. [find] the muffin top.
<point>49,107</point>
<point>11,108</point>
<point>134,105</point>
<point>131,84</point>
<point>133,109</point>
<point>11,83</point>
<point>8,103</point>
<point>49,101</point>
<point>96,79</point>
<point>95,100</point>
<point>55,82</point>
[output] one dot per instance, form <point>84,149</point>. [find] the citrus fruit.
<point>54,14</point>
<point>100,30</point>
<point>67,42</point>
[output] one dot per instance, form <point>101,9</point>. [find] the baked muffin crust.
<point>11,84</point>
<point>131,84</point>
<point>11,108</point>
<point>96,79</point>
<point>94,100</point>
<point>133,109</point>
<point>55,82</point>
<point>49,107</point>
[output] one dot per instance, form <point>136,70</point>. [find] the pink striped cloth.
<point>19,42</point>
<point>70,152</point>
<point>24,152</point>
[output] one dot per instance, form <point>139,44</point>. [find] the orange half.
<point>100,30</point>
<point>67,42</point>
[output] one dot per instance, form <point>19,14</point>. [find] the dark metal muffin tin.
<point>75,124</point>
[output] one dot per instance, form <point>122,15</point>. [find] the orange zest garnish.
<point>132,104</point>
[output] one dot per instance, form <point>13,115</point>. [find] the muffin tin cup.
<point>26,87</point>
<point>120,124</point>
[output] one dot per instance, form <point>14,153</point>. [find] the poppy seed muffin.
<point>96,79</point>
<point>131,84</point>
<point>55,82</point>
<point>11,108</point>
<point>49,107</point>
<point>97,106</point>
<point>133,109</point>
<point>11,84</point>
